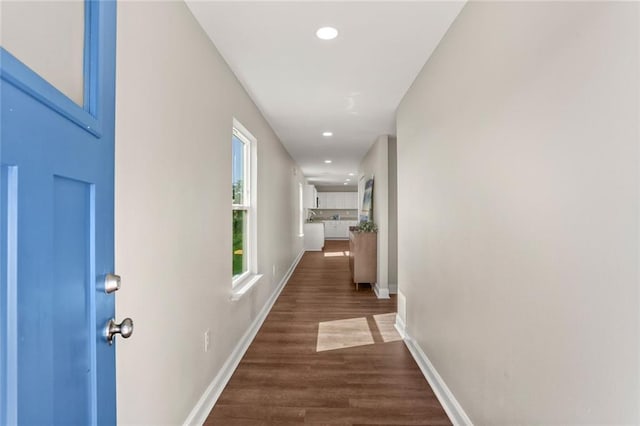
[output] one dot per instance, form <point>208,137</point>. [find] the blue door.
<point>56,238</point>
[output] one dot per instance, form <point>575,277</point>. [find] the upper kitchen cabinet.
<point>322,200</point>
<point>335,200</point>
<point>351,200</point>
<point>338,200</point>
<point>310,196</point>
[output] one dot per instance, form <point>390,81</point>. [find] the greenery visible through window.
<point>241,201</point>
<point>239,249</point>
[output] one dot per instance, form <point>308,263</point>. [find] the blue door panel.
<point>56,240</point>
<point>71,302</point>
<point>8,293</point>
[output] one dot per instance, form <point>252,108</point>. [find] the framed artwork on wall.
<point>366,211</point>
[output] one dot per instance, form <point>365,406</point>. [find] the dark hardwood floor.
<point>301,370</point>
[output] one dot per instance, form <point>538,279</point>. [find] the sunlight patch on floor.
<point>349,333</point>
<point>336,254</point>
<point>386,326</point>
<point>345,333</point>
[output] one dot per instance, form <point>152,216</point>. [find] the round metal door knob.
<point>125,329</point>
<point>111,283</point>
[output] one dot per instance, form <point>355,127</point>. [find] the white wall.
<point>376,163</point>
<point>176,99</point>
<point>393,214</point>
<point>518,211</point>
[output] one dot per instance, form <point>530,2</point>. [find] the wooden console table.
<point>363,256</point>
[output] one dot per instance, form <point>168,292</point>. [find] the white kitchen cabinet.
<point>331,229</point>
<point>309,197</point>
<point>322,200</point>
<point>332,200</point>
<point>345,200</point>
<point>335,229</point>
<point>314,236</point>
<point>326,200</point>
<point>351,201</point>
<point>337,200</point>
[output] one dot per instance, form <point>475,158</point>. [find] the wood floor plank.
<point>283,379</point>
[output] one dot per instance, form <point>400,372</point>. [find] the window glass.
<point>48,37</point>
<point>243,208</point>
<point>238,152</point>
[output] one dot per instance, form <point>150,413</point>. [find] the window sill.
<point>244,287</point>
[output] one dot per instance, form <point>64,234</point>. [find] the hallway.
<point>308,365</point>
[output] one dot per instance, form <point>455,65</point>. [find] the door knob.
<point>125,329</point>
<point>111,283</point>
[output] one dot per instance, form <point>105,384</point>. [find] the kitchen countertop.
<point>323,219</point>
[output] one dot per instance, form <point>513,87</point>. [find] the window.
<point>243,204</point>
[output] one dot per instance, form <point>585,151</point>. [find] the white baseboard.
<point>205,404</point>
<point>382,293</point>
<point>448,401</point>
<point>393,288</point>
<point>401,326</point>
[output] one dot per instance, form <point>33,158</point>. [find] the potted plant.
<point>367,226</point>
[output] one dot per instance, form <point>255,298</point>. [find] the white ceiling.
<point>304,86</point>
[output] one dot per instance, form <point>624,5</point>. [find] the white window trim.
<point>243,283</point>
<point>301,210</point>
<point>245,286</point>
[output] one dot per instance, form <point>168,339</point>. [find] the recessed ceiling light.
<point>347,180</point>
<point>327,134</point>
<point>327,161</point>
<point>345,183</point>
<point>327,33</point>
<point>352,174</point>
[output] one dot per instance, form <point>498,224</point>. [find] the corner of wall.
<point>381,292</point>
<point>375,163</point>
<point>451,406</point>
